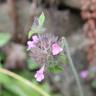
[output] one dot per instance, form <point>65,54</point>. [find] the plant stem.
<point>73,67</point>
<point>17,77</point>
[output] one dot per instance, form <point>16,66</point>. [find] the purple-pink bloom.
<point>84,74</point>
<point>40,74</point>
<point>35,39</point>
<point>30,45</point>
<point>56,49</point>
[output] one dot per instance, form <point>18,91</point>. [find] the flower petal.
<point>40,78</point>
<point>40,74</point>
<point>30,45</point>
<point>35,39</point>
<point>56,49</point>
<point>84,74</point>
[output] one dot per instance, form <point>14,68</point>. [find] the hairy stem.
<point>73,68</point>
<point>17,77</point>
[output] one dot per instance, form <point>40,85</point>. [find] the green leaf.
<point>27,89</point>
<point>62,59</point>
<point>30,34</point>
<point>33,31</point>
<point>4,38</point>
<point>17,87</point>
<point>6,93</point>
<point>4,78</point>
<point>41,19</point>
<point>31,64</point>
<point>38,28</point>
<point>55,69</point>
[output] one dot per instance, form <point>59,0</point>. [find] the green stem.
<point>73,68</point>
<point>17,77</point>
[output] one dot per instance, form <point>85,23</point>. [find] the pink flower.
<point>40,74</point>
<point>35,39</point>
<point>56,49</point>
<point>84,74</point>
<point>32,44</point>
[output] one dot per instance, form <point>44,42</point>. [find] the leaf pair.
<point>38,27</point>
<point>56,64</point>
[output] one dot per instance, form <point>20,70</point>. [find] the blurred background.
<point>63,18</point>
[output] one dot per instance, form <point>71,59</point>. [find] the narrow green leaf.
<point>27,89</point>
<point>41,19</point>
<point>24,81</point>
<point>4,78</point>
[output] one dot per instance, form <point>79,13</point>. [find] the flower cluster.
<point>42,46</point>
